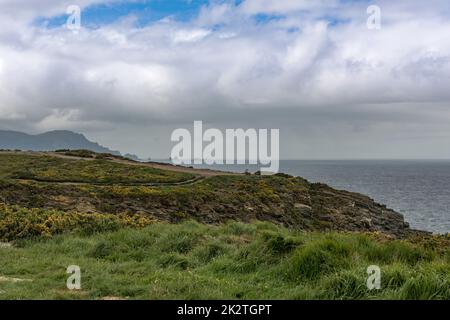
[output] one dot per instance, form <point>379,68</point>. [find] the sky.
<point>138,69</point>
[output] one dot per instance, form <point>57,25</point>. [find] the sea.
<point>418,189</point>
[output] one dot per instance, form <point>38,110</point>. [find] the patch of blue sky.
<point>145,11</point>
<point>334,22</point>
<point>266,18</point>
<point>149,11</point>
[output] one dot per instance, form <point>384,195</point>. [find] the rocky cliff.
<point>117,187</point>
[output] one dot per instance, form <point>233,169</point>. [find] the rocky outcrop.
<point>285,200</point>
<point>35,180</point>
<point>348,211</point>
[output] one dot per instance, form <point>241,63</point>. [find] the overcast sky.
<point>139,69</point>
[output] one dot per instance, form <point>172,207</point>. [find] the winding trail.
<point>107,184</point>
<point>155,165</point>
<point>200,174</point>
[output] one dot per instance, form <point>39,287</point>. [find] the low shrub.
<point>18,223</point>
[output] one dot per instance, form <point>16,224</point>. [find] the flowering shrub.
<point>22,223</point>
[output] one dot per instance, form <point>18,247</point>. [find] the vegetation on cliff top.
<point>115,187</point>
<point>94,171</point>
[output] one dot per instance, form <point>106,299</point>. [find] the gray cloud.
<point>331,86</point>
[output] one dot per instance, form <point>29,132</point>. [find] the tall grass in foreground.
<point>232,261</point>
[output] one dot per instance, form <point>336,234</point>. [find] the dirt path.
<point>155,165</point>
<point>200,174</point>
<point>182,169</point>
<point>154,184</point>
<point>14,280</point>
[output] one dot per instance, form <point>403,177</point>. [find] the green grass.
<point>231,261</point>
<point>94,171</point>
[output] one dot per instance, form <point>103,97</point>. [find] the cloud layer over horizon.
<point>311,68</point>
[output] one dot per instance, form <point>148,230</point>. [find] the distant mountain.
<point>49,141</point>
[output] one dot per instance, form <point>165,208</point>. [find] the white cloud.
<point>284,6</point>
<point>168,72</point>
<point>193,35</point>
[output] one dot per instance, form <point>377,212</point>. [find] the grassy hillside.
<point>41,168</point>
<point>231,261</point>
<point>111,186</point>
<point>234,237</point>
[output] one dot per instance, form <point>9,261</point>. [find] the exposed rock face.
<point>290,201</point>
<point>349,211</point>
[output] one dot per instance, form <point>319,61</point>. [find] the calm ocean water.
<point>420,190</point>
